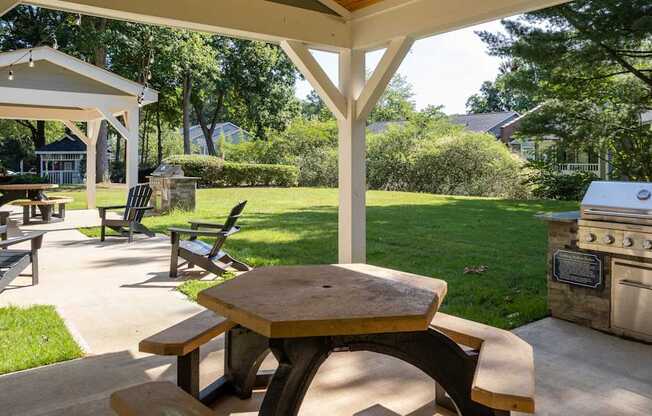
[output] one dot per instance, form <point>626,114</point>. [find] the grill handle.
<point>637,285</point>
<point>591,211</point>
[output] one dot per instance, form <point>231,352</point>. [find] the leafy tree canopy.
<point>589,63</point>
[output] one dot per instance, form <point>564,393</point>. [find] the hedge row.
<point>213,171</point>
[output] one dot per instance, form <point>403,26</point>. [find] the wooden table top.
<point>303,301</point>
<point>28,187</point>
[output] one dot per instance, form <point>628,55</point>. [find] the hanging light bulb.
<point>78,21</point>
<point>11,74</point>
<point>149,76</point>
<point>55,44</point>
<point>151,38</point>
<point>31,60</point>
<point>151,60</point>
<point>141,98</point>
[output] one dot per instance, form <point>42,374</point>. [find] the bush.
<point>213,171</point>
<point>27,179</point>
<point>443,161</point>
<point>548,183</point>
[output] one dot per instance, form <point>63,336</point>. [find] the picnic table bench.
<point>50,208</point>
<point>483,370</point>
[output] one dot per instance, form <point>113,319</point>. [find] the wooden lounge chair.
<point>134,210</point>
<point>209,257</point>
<point>13,262</point>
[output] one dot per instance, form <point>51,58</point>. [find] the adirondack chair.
<point>13,262</point>
<point>209,257</point>
<point>134,210</point>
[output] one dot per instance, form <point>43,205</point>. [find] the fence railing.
<point>63,177</point>
<point>568,168</point>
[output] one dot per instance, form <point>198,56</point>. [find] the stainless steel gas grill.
<point>600,272</point>
<point>616,217</point>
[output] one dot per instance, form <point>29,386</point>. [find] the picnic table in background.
<point>31,191</point>
<point>33,196</point>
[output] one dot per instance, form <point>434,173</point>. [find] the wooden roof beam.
<point>250,19</point>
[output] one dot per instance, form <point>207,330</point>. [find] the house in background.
<point>500,125</point>
<point>63,161</point>
<point>232,134</point>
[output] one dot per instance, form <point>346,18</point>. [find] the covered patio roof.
<point>45,84</point>
<point>349,28</point>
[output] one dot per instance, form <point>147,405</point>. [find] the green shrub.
<point>27,179</point>
<point>548,183</point>
<point>207,168</point>
<point>214,172</point>
<point>443,161</point>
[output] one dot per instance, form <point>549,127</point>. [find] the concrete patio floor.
<point>114,294</point>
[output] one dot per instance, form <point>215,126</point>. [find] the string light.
<point>11,74</point>
<point>78,21</point>
<point>31,59</point>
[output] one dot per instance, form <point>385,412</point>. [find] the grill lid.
<point>618,197</point>
<point>167,171</point>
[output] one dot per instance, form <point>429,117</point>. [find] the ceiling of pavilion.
<point>317,5</point>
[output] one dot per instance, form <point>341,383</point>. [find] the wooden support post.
<point>132,119</point>
<point>93,128</point>
<point>352,166</point>
<point>351,104</point>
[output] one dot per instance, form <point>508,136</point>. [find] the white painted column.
<point>352,162</point>
<point>93,131</point>
<point>131,120</point>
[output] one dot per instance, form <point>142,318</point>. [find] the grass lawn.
<point>32,337</point>
<point>426,234</point>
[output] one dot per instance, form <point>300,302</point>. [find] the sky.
<point>444,69</point>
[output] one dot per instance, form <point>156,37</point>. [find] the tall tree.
<point>590,63</point>
<point>28,27</point>
<point>499,95</point>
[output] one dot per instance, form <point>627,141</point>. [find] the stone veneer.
<point>582,305</point>
<point>173,193</point>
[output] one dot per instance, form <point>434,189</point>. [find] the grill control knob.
<point>647,244</point>
<point>608,239</point>
<point>628,242</point>
<point>590,237</point>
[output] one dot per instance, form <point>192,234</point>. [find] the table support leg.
<point>431,351</point>
<point>244,353</point>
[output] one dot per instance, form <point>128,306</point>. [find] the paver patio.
<point>114,294</point>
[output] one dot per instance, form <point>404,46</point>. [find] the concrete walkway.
<point>114,294</point>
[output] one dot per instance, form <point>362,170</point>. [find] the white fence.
<point>569,168</point>
<point>63,177</point>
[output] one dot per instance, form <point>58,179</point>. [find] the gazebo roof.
<point>59,86</point>
<point>69,143</point>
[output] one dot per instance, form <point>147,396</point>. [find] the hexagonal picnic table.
<point>303,313</point>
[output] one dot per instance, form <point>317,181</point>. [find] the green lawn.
<point>431,235</point>
<point>32,337</point>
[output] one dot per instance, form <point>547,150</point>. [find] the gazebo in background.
<point>349,28</point>
<point>45,84</point>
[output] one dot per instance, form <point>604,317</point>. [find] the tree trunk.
<point>102,147</point>
<point>159,139</point>
<point>187,91</point>
<point>40,134</point>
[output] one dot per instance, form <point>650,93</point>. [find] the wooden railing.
<point>63,177</point>
<point>569,168</point>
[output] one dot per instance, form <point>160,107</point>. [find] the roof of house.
<point>484,122</point>
<point>68,143</point>
<point>646,118</point>
<point>232,133</point>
